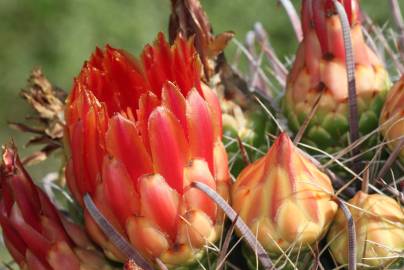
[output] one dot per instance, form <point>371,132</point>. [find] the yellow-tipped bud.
<point>379,225</point>
<point>284,199</point>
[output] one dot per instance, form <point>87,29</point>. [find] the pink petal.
<point>28,208</point>
<point>159,203</point>
<point>147,103</point>
<point>72,183</point>
<point>61,257</point>
<point>35,263</point>
<point>84,183</point>
<point>124,144</point>
<point>200,128</point>
<point>195,199</point>
<point>214,106</point>
<point>319,18</point>
<point>168,146</point>
<point>175,102</point>
<point>34,240</point>
<point>119,190</point>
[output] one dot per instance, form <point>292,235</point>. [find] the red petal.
<point>34,240</point>
<point>77,234</point>
<point>200,128</point>
<point>119,190</point>
<point>12,237</point>
<point>102,203</point>
<point>78,106</point>
<point>306,16</point>
<point>47,208</point>
<point>158,64</point>
<point>85,183</point>
<point>27,207</point>
<point>195,199</point>
<point>348,10</point>
<point>35,263</point>
<point>319,18</point>
<point>53,231</point>
<point>168,146</point>
<point>94,230</point>
<point>282,150</point>
<point>214,106</point>
<point>93,143</point>
<point>335,37</point>
<point>175,102</point>
<point>49,211</point>
<point>125,78</point>
<point>18,256</point>
<point>114,77</point>
<point>71,182</point>
<point>186,66</point>
<point>7,197</point>
<point>159,203</point>
<point>124,143</point>
<point>61,257</point>
<point>147,103</point>
<point>18,187</point>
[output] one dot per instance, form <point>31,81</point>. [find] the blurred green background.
<point>58,35</point>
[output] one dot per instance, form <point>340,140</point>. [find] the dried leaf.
<point>48,121</point>
<point>190,20</point>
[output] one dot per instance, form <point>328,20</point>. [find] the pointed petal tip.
<point>159,203</point>
<point>284,136</point>
<point>119,189</point>
<point>9,156</point>
<point>283,141</point>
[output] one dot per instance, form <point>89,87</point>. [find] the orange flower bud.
<point>284,198</point>
<point>379,224</point>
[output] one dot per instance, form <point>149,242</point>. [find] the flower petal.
<point>14,243</point>
<point>200,128</point>
<point>124,144</point>
<point>214,105</point>
<point>119,190</point>
<point>93,143</point>
<point>84,183</point>
<point>24,201</point>
<point>159,203</point>
<point>147,103</point>
<point>38,244</point>
<point>71,181</point>
<point>221,171</point>
<point>187,67</point>
<point>195,199</point>
<point>196,229</point>
<point>145,236</point>
<point>33,262</point>
<point>61,257</point>
<point>175,102</point>
<point>157,60</point>
<point>168,147</point>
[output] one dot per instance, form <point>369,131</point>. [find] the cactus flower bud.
<point>319,69</point>
<point>379,225</point>
<point>35,233</point>
<point>284,198</point>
